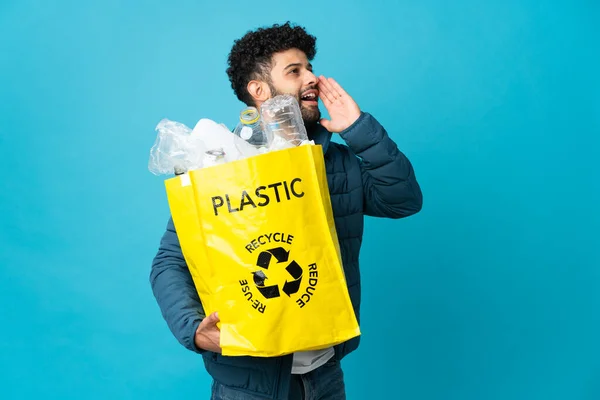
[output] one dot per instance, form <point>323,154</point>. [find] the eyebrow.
<point>297,65</point>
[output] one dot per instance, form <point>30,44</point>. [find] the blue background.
<point>491,292</point>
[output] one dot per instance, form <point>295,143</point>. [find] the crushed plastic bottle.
<point>282,119</point>
<point>213,157</point>
<point>175,149</point>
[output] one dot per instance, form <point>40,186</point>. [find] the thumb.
<point>212,318</point>
<point>326,124</point>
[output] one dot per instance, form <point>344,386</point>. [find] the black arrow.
<point>268,291</point>
<point>279,253</point>
<point>295,271</point>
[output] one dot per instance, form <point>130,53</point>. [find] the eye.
<point>294,71</point>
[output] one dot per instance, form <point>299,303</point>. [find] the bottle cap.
<point>249,116</point>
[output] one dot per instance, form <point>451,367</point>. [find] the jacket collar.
<point>321,136</point>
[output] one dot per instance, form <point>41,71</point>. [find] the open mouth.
<point>310,96</point>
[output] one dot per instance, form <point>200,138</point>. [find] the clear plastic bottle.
<point>282,119</point>
<point>213,157</point>
<point>179,170</point>
<point>251,130</point>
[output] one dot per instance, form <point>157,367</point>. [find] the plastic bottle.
<point>213,157</point>
<point>251,130</point>
<point>282,119</point>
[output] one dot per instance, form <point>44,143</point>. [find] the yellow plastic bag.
<point>180,194</point>
<point>262,249</point>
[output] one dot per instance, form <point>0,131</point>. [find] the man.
<point>367,176</point>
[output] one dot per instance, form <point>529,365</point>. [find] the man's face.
<point>292,74</point>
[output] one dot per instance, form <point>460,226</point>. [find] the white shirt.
<point>306,361</point>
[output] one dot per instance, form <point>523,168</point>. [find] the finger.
<point>212,319</point>
<point>327,85</point>
<point>324,91</point>
<point>336,86</point>
<point>325,123</point>
<point>328,82</point>
<point>215,337</point>
<point>324,98</point>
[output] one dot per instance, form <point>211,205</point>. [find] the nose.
<point>310,78</point>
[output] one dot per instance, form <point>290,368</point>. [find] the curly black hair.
<point>251,56</point>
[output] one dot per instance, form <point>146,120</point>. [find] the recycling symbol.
<point>274,258</point>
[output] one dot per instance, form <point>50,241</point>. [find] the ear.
<point>259,91</point>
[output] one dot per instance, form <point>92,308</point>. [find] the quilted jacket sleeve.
<point>174,290</point>
<point>390,187</point>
